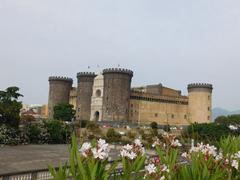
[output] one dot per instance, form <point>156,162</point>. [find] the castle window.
<point>209,97</point>
<point>131,105</point>
<point>98,93</point>
<point>78,109</point>
<point>208,118</point>
<point>185,116</point>
<point>172,116</point>
<point>156,114</point>
<point>208,108</point>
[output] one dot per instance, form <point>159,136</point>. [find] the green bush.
<point>33,133</point>
<point>154,125</point>
<point>228,120</point>
<point>59,132</point>
<point>8,135</point>
<point>210,132</point>
<point>113,136</point>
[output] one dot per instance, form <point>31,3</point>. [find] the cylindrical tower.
<point>59,91</point>
<point>200,102</point>
<point>84,94</point>
<point>116,97</point>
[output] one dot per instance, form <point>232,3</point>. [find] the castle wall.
<point>117,87</point>
<point>146,108</point>
<point>59,91</point>
<point>84,94</point>
<point>200,103</point>
<point>170,92</point>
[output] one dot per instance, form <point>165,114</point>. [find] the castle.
<point>109,97</point>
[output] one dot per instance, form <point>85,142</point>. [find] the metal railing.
<point>42,174</point>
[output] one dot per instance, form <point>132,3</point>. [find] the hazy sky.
<point>174,42</point>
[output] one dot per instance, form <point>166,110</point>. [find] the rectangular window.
<point>156,114</point>
<point>172,116</point>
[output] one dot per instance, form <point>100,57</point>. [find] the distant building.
<point>109,97</point>
<point>35,110</point>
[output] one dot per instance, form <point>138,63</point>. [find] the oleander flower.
<point>150,169</point>
<point>164,168</point>
<point>235,164</point>
<point>176,143</point>
<point>101,151</point>
<point>85,150</point>
<point>232,127</point>
<point>132,151</point>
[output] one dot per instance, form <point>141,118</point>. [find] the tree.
<point>154,125</point>
<point>10,106</point>
<point>64,112</point>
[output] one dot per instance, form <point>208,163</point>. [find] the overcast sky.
<point>174,42</point>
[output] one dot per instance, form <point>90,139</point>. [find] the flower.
<point>85,149</point>
<point>132,151</point>
<point>176,143</point>
<point>235,164</point>
<point>151,169</point>
<point>101,150</point>
<point>219,157</point>
<point>184,155</point>
<point>165,168</point>
<point>232,127</point>
<point>137,142</point>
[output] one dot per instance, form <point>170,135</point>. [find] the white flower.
<point>102,150</point>
<point>219,157</point>
<point>184,155</point>
<point>232,127</point>
<point>138,142</point>
<point>99,153</point>
<point>151,169</point>
<point>176,143</point>
<point>235,164</point>
<point>132,155</point>
<point>162,178</point>
<point>165,168</point>
<point>128,147</point>
<point>85,148</point>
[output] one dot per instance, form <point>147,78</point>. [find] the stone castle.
<point>110,97</point>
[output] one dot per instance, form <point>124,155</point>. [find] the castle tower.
<point>59,91</point>
<point>116,97</point>
<point>84,94</point>
<point>97,99</point>
<point>200,102</point>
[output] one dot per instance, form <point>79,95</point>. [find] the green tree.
<point>154,125</point>
<point>10,107</point>
<point>64,112</point>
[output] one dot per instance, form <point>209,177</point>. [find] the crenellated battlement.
<point>118,70</point>
<point>200,85</point>
<point>60,78</point>
<point>86,74</point>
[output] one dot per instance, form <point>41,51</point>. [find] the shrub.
<point>154,125</point>
<point>8,135</point>
<point>58,132</point>
<point>113,136</point>
<point>210,132</point>
<point>33,133</point>
<point>166,128</point>
<point>131,134</point>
